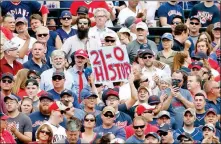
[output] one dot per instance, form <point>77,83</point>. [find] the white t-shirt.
<point>59,132</point>
<point>22,42</point>
<point>125,13</point>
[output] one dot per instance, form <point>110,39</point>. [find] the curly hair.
<point>208,45</point>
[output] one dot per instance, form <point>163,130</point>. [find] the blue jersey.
<point>199,120</point>
<point>37,119</point>
<point>63,35</point>
<point>211,104</point>
<point>65,4</point>
<point>122,120</point>
<point>30,64</point>
<point>134,139</point>
<point>169,11</point>
<point>20,9</point>
<point>197,134</point>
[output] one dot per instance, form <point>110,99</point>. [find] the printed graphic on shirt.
<point>205,16</point>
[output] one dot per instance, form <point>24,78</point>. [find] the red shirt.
<point>5,67</point>
<point>21,93</point>
<point>6,137</point>
<point>92,5</point>
<point>130,130</point>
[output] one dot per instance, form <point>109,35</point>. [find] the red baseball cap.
<point>82,53</point>
<point>141,109</point>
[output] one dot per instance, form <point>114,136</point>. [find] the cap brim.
<point>42,97</point>
<point>19,21</point>
<point>196,66</point>
<point>82,13</point>
<point>108,111</point>
<point>211,112</point>
<point>162,131</point>
<point>65,93</point>
<point>164,115</point>
<point>150,135</point>
<point>80,55</point>
<point>8,97</point>
<point>7,77</point>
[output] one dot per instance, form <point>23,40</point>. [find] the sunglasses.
<point>40,35</point>
<point>57,78</point>
<point>163,134</point>
<point>33,77</point>
<point>9,81</point>
<point>45,132</point>
<point>108,115</point>
<point>108,40</point>
<point>91,120</point>
<point>196,59</point>
<point>66,18</point>
<point>176,23</point>
<point>83,23</point>
<point>192,23</point>
<point>149,111</point>
<point>149,57</point>
<point>137,127</point>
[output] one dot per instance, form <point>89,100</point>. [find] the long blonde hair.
<point>20,79</point>
<point>49,129</point>
<point>179,60</point>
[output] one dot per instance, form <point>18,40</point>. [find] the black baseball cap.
<point>46,95</point>
<point>153,100</point>
<point>82,10</point>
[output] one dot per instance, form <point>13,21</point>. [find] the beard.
<point>82,33</point>
<point>44,111</point>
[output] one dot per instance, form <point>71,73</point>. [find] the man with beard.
<point>189,116</point>
<point>134,46</point>
<point>139,125</point>
<point>65,31</point>
<point>80,40</point>
<point>58,63</point>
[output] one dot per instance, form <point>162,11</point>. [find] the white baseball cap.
<point>9,45</point>
<point>142,25</point>
<point>124,30</point>
<point>110,34</point>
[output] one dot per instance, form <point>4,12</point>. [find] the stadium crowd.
<point>48,89</point>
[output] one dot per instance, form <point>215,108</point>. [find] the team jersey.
<point>63,35</point>
<point>197,134</point>
<point>199,120</point>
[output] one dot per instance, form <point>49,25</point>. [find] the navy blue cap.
<point>195,17</point>
<point>168,36</point>
<point>147,51</point>
<point>144,46</point>
<point>211,110</point>
<point>86,93</point>
<point>46,95</point>
<point>154,135</point>
<point>65,13</point>
<point>67,92</point>
<point>35,72</point>
<point>196,64</point>
<point>153,100</point>
<point>12,97</point>
<point>164,128</point>
<point>200,55</point>
<point>7,75</point>
<point>58,74</point>
<point>186,135</point>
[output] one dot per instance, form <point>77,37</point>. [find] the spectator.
<point>152,137</point>
<point>31,88</point>
<point>167,54</point>
<point>179,99</point>
<point>57,109</point>
<point>19,85</point>
<point>139,125</point>
<point>58,81</point>
<point>25,8</point>
<point>195,67</point>
<point>6,136</point>
<point>89,101</point>
<point>199,103</point>
<point>194,84</point>
<point>194,28</point>
<point>66,31</point>
<point>181,33</point>
<point>166,134</point>
<point>207,11</point>
<point>19,124</point>
<point>108,126</point>
<point>54,40</point>
<point>23,39</point>
<point>58,63</point>
<point>82,11</point>
<point>125,36</point>
<point>110,39</point>
<point>209,134</point>
<point>33,74</point>
<point>134,46</point>
<point>8,22</point>
<point>131,23</point>
<point>185,138</point>
<point>44,134</point>
<point>205,74</point>
<point>101,16</point>
<point>107,138</point>
<point>9,62</point>
<point>26,106</point>
<point>143,94</point>
<point>130,10</point>
<point>216,42</point>
<point>36,63</point>
<point>167,11</point>
<point>81,40</point>
<point>212,89</point>
<point>181,61</point>
<point>164,117</point>
<point>88,136</point>
<point>189,117</point>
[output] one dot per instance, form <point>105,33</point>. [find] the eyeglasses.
<point>91,120</point>
<point>83,23</point>
<point>148,111</point>
<point>40,35</point>
<point>109,40</point>
<point>66,18</point>
<point>10,102</point>
<point>57,78</point>
<point>192,23</point>
<point>8,81</point>
<point>45,132</point>
<point>137,127</point>
<point>149,57</point>
<point>176,23</point>
<point>108,115</point>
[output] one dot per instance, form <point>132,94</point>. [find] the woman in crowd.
<point>88,136</point>
<point>181,62</point>
<point>44,135</point>
<point>124,36</point>
<point>167,54</point>
<point>19,86</point>
<point>26,105</point>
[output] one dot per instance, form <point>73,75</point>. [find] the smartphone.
<point>175,83</point>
